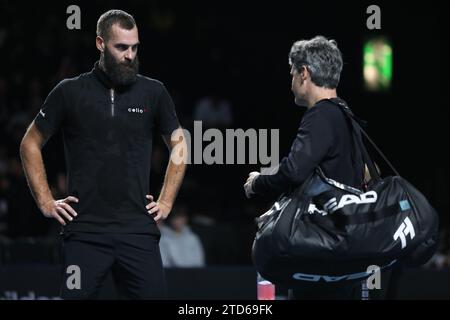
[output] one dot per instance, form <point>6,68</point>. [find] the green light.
<point>377,64</point>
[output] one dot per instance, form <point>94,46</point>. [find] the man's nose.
<point>129,54</point>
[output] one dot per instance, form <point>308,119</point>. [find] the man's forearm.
<point>172,182</point>
<point>34,170</point>
<point>272,184</point>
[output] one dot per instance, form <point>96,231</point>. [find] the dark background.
<point>240,52</point>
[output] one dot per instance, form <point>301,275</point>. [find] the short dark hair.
<point>321,57</point>
<point>111,17</point>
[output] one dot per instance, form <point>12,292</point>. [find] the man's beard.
<point>121,74</point>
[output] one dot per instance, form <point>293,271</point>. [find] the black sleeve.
<point>312,143</point>
<point>167,120</point>
<point>52,113</point>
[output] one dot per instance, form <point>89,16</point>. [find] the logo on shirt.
<point>137,110</point>
<point>42,113</point>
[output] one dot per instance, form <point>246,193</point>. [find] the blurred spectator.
<point>441,259</point>
<point>180,247</point>
<point>214,111</point>
<point>4,203</point>
<point>438,261</point>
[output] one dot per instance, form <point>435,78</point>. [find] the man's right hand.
<point>60,209</point>
<point>248,186</point>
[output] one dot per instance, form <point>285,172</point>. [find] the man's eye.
<point>121,47</point>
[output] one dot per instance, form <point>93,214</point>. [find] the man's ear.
<point>100,43</point>
<point>304,74</point>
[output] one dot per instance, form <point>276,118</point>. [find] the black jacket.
<point>108,137</point>
<point>324,139</point>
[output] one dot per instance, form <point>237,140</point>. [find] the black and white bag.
<point>325,231</point>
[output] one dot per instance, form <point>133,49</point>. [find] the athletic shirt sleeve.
<point>51,116</point>
<point>311,145</point>
<point>167,120</point>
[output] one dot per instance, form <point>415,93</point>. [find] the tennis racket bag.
<point>325,231</point>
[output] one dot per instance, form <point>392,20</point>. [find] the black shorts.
<point>133,259</point>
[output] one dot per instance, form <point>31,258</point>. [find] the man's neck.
<point>320,93</point>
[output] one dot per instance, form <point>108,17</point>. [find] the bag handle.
<point>356,126</point>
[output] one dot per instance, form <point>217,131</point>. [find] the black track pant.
<point>133,259</point>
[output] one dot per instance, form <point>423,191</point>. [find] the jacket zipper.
<point>111,91</point>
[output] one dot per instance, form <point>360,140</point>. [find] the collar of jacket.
<point>104,79</point>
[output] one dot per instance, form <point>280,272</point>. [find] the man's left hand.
<point>158,210</point>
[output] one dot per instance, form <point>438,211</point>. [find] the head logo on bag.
<point>327,278</point>
<point>332,205</point>
<point>347,199</point>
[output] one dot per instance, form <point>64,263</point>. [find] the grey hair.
<point>321,57</point>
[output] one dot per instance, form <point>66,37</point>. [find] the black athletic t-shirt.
<point>324,139</point>
<point>108,135</point>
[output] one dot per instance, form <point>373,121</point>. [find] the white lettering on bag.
<point>405,228</point>
<point>332,205</point>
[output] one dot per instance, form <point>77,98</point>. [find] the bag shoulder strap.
<point>357,127</point>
